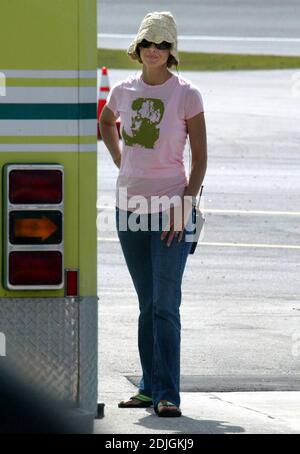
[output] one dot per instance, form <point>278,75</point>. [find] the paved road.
<point>207,413</point>
<point>241,292</point>
<point>269,27</point>
<point>241,310</point>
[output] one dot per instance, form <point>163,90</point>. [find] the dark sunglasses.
<point>161,46</point>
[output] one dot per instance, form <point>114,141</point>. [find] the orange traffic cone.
<point>103,93</point>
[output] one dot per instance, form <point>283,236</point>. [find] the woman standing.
<point>158,109</point>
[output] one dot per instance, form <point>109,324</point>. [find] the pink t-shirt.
<point>153,128</point>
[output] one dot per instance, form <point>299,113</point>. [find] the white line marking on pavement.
<point>212,210</point>
<point>108,289</point>
<point>272,213</point>
<point>274,246</point>
<point>205,243</point>
<point>211,38</point>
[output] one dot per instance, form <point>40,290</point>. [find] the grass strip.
<point>197,61</point>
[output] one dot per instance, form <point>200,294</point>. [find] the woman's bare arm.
<point>109,134</point>
<point>197,134</point>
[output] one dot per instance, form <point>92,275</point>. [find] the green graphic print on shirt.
<point>148,112</point>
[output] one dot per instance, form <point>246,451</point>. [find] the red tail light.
<point>71,282</point>
<point>35,186</point>
<point>35,268</point>
<point>33,226</point>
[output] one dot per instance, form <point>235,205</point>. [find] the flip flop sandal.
<point>167,409</point>
<point>136,401</point>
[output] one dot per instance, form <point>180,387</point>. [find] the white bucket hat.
<point>156,27</point>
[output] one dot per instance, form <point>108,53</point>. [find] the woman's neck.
<point>155,76</point>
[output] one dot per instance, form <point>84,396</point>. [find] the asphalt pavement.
<point>226,26</point>
<point>240,313</point>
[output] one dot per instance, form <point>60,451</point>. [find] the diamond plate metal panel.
<point>42,338</point>
<point>88,356</point>
<point>52,342</point>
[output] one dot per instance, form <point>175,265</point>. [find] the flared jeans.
<point>156,271</point>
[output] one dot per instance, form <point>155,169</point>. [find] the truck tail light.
<point>35,268</point>
<point>71,282</point>
<point>33,226</point>
<point>35,186</point>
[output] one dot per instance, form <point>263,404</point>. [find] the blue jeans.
<point>156,271</point>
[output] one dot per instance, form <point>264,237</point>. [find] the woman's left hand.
<point>179,216</point>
